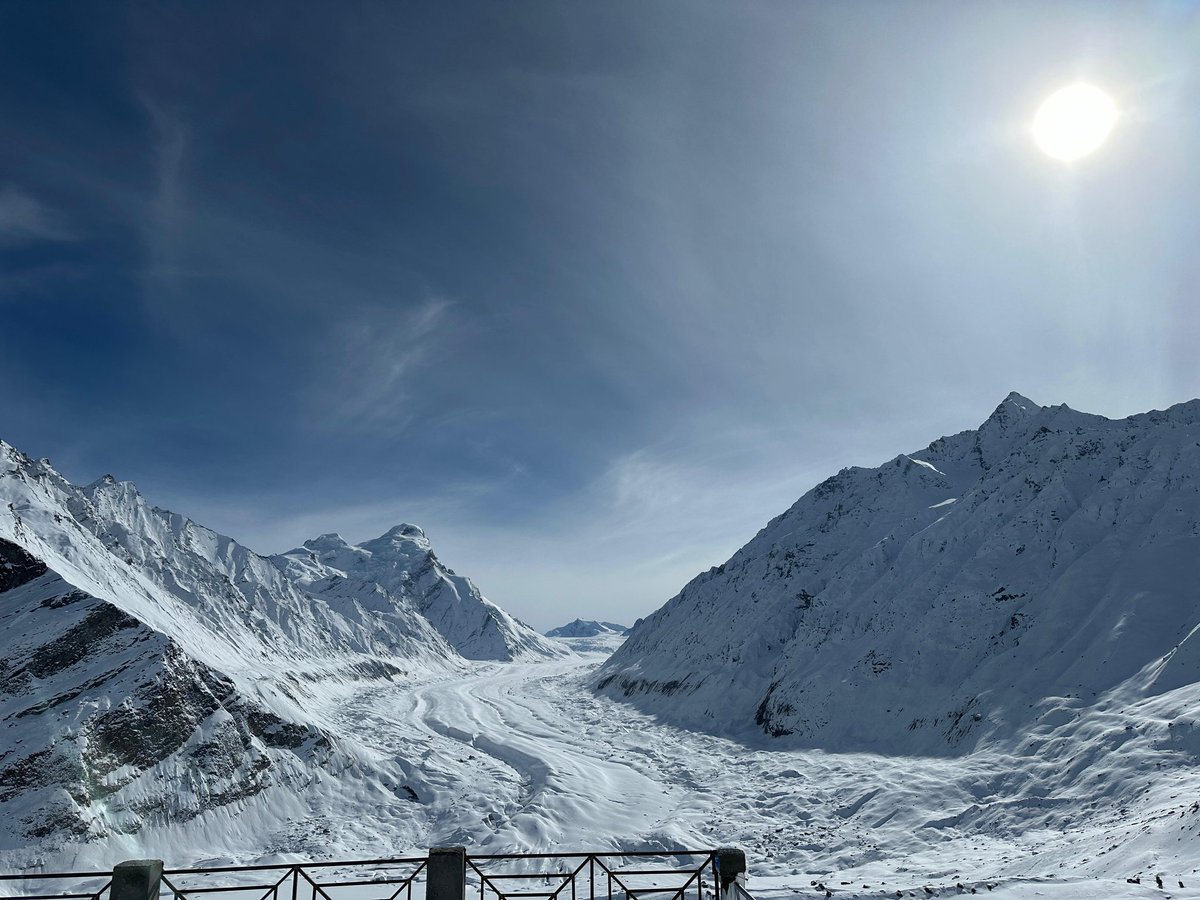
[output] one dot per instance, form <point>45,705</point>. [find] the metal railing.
<point>631,874</point>
<point>636,875</point>
<point>370,879</point>
<point>75,885</point>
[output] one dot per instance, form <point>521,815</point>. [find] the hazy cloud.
<point>367,366</point>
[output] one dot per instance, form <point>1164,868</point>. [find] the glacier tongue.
<point>875,615</point>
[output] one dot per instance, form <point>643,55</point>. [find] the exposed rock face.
<point>17,567</point>
<point>107,723</point>
<point>936,599</point>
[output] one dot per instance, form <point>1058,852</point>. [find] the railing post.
<point>446,877</point>
<point>136,879</point>
<point>731,869</point>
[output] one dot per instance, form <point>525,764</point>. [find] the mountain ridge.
<point>155,670</point>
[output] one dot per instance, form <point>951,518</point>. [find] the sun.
<point>1074,121</point>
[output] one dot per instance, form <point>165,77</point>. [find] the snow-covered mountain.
<point>400,567</point>
<point>953,593</point>
<point>581,628</point>
<point>153,671</point>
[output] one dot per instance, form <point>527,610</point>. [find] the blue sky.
<point>589,291</point>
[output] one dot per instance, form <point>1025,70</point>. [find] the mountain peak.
<point>1021,400</point>
<point>1013,408</point>
<point>329,541</point>
<point>108,489</point>
<point>403,530</point>
<point>585,628</point>
<point>401,541</point>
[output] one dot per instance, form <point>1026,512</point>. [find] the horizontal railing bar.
<point>13,877</point>
<point>218,888</point>
<point>326,884</point>
<point>630,853</point>
<point>263,867</point>
<point>656,871</point>
<point>51,896</point>
<point>395,861</point>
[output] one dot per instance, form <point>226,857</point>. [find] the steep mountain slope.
<point>104,720</point>
<point>153,671</point>
<point>232,608</point>
<point>943,596</point>
<point>400,567</point>
<point>581,628</point>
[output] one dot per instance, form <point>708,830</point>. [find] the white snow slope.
<point>1040,568</point>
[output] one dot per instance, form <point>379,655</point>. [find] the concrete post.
<point>446,874</point>
<point>731,869</point>
<point>136,879</point>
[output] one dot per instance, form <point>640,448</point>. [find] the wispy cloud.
<point>24,218</point>
<point>166,214</point>
<point>366,368</point>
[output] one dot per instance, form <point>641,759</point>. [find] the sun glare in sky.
<point>1074,121</point>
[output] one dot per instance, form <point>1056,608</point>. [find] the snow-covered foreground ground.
<point>522,757</point>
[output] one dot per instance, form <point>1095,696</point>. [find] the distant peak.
<point>1015,407</point>
<point>1021,401</point>
<point>404,530</point>
<point>400,541</point>
<point>112,487</point>
<point>327,541</point>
